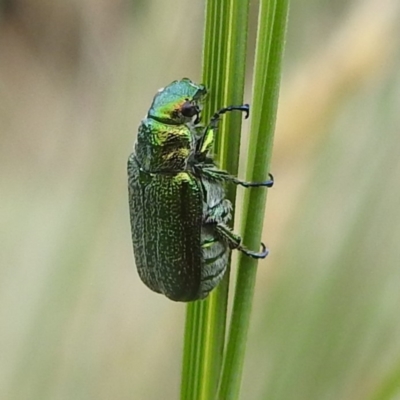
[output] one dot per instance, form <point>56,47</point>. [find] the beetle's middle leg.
<point>211,172</point>
<point>235,242</point>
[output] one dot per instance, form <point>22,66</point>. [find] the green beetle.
<point>177,203</point>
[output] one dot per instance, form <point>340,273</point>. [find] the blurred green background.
<point>76,322</point>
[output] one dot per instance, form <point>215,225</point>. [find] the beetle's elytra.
<point>177,203</point>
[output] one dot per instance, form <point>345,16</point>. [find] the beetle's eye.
<point>189,110</point>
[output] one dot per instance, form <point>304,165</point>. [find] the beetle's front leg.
<point>205,142</point>
<point>235,242</point>
<point>211,172</point>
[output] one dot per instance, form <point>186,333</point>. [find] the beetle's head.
<point>178,103</point>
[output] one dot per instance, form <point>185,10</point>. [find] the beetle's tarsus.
<point>216,117</point>
<point>268,183</point>
<point>254,254</point>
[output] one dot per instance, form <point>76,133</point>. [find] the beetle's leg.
<point>268,183</point>
<point>205,143</point>
<point>207,139</point>
<point>235,242</point>
<point>217,116</point>
<point>213,173</point>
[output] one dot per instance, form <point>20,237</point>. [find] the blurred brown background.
<point>76,322</point>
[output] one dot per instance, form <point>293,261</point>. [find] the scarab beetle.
<point>177,203</point>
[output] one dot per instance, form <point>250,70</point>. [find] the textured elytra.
<point>177,203</point>
<point>166,219</point>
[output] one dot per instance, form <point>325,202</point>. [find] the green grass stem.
<point>224,64</point>
<point>269,50</point>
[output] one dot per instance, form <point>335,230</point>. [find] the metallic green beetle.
<point>178,209</point>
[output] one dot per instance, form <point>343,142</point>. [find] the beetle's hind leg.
<point>235,242</point>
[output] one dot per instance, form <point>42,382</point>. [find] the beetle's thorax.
<point>162,147</point>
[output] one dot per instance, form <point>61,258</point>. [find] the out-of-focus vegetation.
<point>76,322</point>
